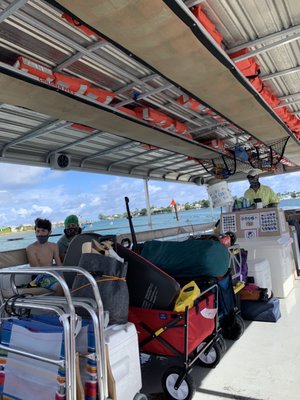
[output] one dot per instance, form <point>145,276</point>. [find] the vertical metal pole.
<point>148,203</point>
<point>212,211</point>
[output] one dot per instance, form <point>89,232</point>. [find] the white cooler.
<point>124,370</point>
<point>261,272</point>
<point>278,251</point>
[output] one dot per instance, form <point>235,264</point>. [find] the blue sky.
<point>30,192</point>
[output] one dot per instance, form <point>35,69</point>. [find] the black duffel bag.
<point>110,276</point>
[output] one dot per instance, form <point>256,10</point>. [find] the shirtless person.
<point>42,253</point>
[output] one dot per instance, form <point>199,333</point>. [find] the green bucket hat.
<point>71,219</point>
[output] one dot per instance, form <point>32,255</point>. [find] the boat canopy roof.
<point>173,90</point>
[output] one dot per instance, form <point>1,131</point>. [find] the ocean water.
<point>119,226</point>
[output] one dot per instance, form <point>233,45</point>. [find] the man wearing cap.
<point>259,191</point>
<point>72,229</point>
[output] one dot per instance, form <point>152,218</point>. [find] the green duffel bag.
<point>190,259</point>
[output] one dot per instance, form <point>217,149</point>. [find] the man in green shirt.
<point>259,191</point>
<point>72,229</point>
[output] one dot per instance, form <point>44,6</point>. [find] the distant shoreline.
<point>24,232</point>
<point>16,233</point>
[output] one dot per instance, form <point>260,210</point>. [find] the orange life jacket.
<point>101,95</point>
<point>83,128</point>
<point>155,117</point>
<point>34,68</point>
<point>71,83</point>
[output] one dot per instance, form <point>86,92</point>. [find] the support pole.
<point>148,203</point>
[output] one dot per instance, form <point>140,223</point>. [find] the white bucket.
<point>220,194</point>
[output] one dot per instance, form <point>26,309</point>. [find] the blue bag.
<point>267,311</point>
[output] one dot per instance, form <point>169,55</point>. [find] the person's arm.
<point>56,256</point>
<point>32,259</point>
<point>61,249</point>
<point>249,195</point>
<point>272,205</point>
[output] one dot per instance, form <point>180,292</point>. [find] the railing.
<point>12,258</point>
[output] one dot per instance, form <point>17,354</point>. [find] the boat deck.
<point>262,365</point>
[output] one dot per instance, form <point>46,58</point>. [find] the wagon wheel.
<point>140,396</point>
<point>222,344</point>
<point>233,326</point>
<point>211,357</point>
<point>185,391</point>
<point>126,242</point>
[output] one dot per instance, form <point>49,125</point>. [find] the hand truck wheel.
<point>185,391</point>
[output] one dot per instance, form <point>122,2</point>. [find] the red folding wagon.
<point>193,336</point>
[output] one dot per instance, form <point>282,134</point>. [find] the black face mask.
<point>42,239</point>
<point>254,184</point>
<point>70,232</point>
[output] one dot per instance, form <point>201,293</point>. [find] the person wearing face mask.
<point>42,254</point>
<point>72,229</point>
<point>259,191</point>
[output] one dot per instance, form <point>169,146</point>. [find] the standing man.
<point>72,229</point>
<point>259,191</point>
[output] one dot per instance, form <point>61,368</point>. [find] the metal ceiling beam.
<point>165,108</point>
<point>287,104</point>
<point>286,32</point>
<point>130,85</point>
<point>190,170</point>
<point>166,166</point>
<point>290,96</point>
<point>129,158</point>
<point>192,3</point>
<point>75,57</point>
<point>154,161</point>
<point>73,144</point>
<point>172,157</point>
<point>47,127</point>
<point>280,73</point>
<point>127,144</point>
<point>169,170</point>
<point>11,8</point>
<point>144,95</point>
<point>268,47</point>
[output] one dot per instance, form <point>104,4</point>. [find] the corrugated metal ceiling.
<point>35,29</point>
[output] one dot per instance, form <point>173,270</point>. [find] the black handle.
<point>134,241</point>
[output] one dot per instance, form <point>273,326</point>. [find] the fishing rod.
<point>133,235</point>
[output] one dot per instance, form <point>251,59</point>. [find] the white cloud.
<point>22,212</point>
<point>16,175</point>
<point>154,189</point>
<point>42,209</point>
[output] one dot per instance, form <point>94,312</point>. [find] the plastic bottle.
<point>235,206</point>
